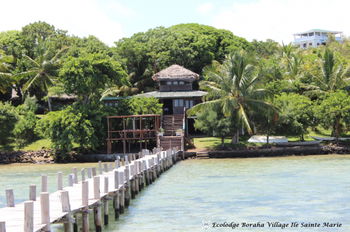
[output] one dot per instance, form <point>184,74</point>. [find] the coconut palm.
<point>42,71</point>
<point>234,86</point>
<point>122,91</point>
<point>334,75</point>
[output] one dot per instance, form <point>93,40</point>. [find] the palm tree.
<point>234,86</point>
<point>42,72</point>
<point>123,91</point>
<point>333,73</point>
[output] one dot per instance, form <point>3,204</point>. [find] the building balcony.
<point>320,39</point>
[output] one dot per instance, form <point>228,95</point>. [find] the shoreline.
<point>272,152</point>
<point>45,156</point>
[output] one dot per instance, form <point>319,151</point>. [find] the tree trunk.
<point>268,132</point>
<point>337,129</point>
<point>222,142</point>
<point>49,103</point>
<point>235,138</point>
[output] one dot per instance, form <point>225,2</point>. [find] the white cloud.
<point>205,8</point>
<point>79,17</point>
<point>279,19</point>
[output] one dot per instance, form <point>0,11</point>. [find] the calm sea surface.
<point>194,194</point>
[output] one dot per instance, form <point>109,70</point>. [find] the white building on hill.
<point>315,37</point>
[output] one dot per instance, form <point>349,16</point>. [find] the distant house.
<point>315,37</point>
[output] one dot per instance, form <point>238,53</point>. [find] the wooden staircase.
<point>170,124</point>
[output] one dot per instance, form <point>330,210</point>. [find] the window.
<point>310,44</point>
<point>178,103</point>
<point>181,82</point>
<point>168,83</point>
<point>304,45</point>
<point>318,33</point>
<point>188,103</point>
<point>175,83</point>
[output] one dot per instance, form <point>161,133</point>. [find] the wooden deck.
<point>118,182</point>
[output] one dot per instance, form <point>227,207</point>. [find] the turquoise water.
<point>196,193</point>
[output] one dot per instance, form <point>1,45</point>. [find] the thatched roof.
<point>175,72</point>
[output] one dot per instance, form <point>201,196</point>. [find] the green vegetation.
<point>38,145</point>
<point>258,87</point>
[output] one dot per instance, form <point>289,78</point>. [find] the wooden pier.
<point>91,192</point>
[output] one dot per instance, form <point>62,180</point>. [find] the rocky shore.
<point>41,156</point>
<point>281,151</point>
<point>46,156</point>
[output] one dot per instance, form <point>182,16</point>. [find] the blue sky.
<point>111,20</point>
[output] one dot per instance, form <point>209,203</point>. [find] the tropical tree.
<point>334,75</point>
<point>190,45</point>
<point>295,113</point>
<point>334,111</point>
<point>234,86</point>
<point>6,78</point>
<point>41,73</point>
<point>214,123</point>
<point>89,75</point>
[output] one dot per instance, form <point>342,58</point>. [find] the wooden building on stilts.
<point>177,93</point>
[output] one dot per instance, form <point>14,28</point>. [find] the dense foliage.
<point>191,45</point>
<point>8,119</point>
<point>258,87</point>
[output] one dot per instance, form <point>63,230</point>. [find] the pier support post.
<point>127,186</point>
<point>70,179</point>
<point>96,187</point>
<point>75,175</point>
<point>10,199</point>
<point>97,218</point>
<point>100,167</point>
<point>117,162</point>
<point>64,195</point>
<point>122,192</point>
<point>105,202</point>
<point>82,171</point>
<point>44,183</point>
<point>59,181</point>
<point>28,216</point>
<point>89,172</point>
<point>45,210</point>
<point>2,227</point>
<point>97,208</point>
<point>116,205</point>
<point>85,203</point>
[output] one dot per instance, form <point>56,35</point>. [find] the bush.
<point>8,119</point>
<point>24,131</point>
<point>65,128</point>
<point>145,105</point>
